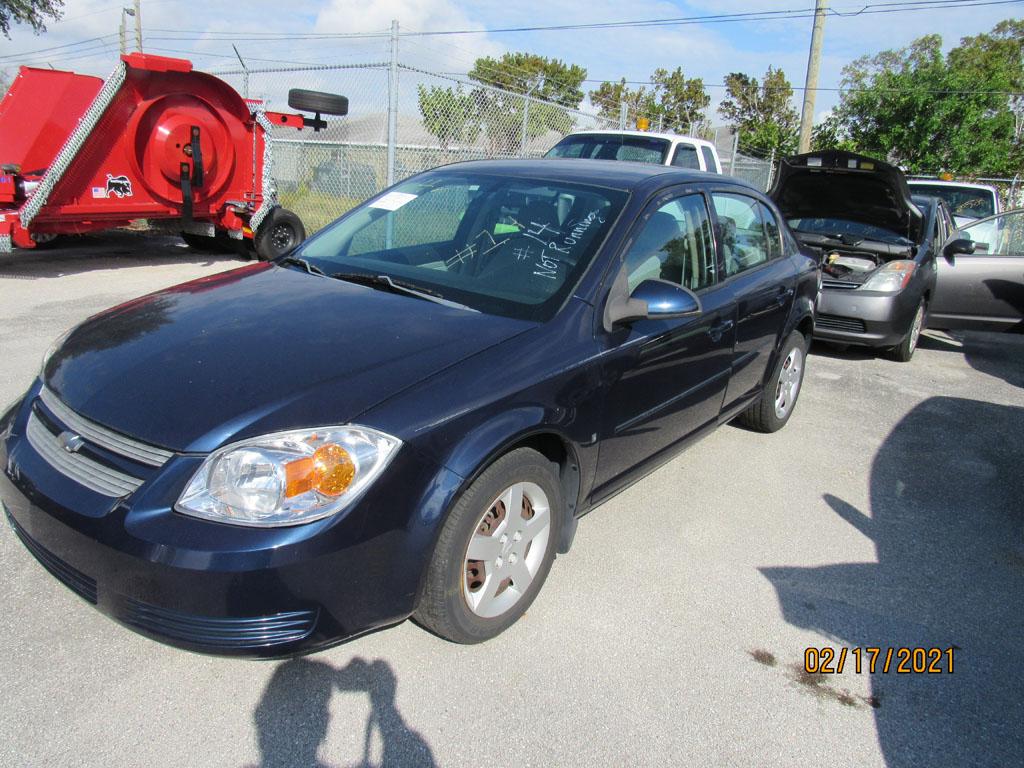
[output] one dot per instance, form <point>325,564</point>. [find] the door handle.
<point>716,331</point>
<point>783,297</point>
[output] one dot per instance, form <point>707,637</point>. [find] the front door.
<point>666,378</point>
<point>983,290</point>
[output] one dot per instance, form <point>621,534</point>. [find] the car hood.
<point>844,185</point>
<point>256,350</point>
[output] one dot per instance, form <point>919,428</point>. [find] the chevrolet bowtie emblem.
<point>70,442</point>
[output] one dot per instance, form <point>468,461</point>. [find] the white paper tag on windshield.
<point>392,201</point>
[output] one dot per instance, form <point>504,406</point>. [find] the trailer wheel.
<point>281,231</point>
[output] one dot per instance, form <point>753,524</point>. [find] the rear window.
<point>709,160</point>
<point>686,157</point>
<point>964,202</point>
<point>640,149</point>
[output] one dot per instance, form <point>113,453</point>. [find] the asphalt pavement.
<point>888,513</point>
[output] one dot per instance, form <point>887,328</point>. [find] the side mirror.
<point>651,300</point>
<point>959,244</point>
<point>318,103</point>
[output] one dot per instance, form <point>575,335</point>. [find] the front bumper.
<point>869,318</point>
<point>219,588</point>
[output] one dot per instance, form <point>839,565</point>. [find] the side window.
<point>741,232</point>
<point>771,230</point>
<point>675,244</point>
<point>1004,234</point>
<point>709,160</point>
<point>686,157</point>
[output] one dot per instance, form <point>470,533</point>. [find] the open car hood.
<point>844,185</point>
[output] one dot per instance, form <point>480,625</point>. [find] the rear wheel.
<point>278,233</point>
<point>494,551</point>
<point>903,351</point>
<point>780,392</point>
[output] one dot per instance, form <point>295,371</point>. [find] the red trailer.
<point>156,141</point>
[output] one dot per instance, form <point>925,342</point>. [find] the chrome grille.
<point>103,437</point>
<point>83,470</point>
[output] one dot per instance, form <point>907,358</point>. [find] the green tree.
<point>549,83</point>
<point>762,112</point>
<point>31,12</point>
<point>930,112</point>
<point>672,102</point>
<point>449,114</point>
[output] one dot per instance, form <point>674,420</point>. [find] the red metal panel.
<point>38,113</point>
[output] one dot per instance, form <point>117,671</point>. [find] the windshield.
<point>504,246</point>
<point>612,146</point>
<point>965,202</point>
<point>843,227</point>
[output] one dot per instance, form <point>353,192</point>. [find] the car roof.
<point>962,184</point>
<point>618,174</point>
<point>617,132</point>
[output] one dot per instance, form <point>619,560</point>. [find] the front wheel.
<point>903,351</point>
<point>494,551</point>
<point>779,394</point>
<point>278,233</point>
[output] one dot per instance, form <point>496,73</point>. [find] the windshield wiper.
<point>312,269</point>
<point>389,284</point>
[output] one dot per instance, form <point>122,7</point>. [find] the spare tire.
<point>317,101</point>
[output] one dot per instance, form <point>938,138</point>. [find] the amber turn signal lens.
<point>330,470</point>
<point>333,469</point>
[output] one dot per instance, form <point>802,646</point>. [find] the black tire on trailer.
<point>277,234</point>
<point>317,101</point>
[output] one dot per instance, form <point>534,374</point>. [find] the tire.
<point>780,392</point>
<point>471,600</point>
<point>903,351</point>
<point>317,101</point>
<point>278,233</point>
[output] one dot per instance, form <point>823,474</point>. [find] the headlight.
<point>890,278</point>
<point>288,478</point>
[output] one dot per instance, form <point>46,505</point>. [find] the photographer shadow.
<point>293,715</point>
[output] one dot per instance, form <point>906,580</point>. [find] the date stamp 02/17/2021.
<point>903,661</point>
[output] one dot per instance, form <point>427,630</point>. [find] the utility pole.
<point>138,25</point>
<point>123,31</point>
<point>811,84</point>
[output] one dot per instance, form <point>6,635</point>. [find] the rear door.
<point>983,290</point>
<point>761,280</point>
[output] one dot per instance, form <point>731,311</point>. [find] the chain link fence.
<point>403,120</point>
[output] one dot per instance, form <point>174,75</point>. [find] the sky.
<point>709,51</point>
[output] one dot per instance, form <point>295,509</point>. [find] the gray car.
<point>877,246</point>
<point>984,289</point>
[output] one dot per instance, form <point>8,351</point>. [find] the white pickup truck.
<point>640,146</point>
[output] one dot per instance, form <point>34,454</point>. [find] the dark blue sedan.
<point>408,414</point>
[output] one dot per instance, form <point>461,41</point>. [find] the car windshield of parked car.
<point>965,202</point>
<point>506,246</point>
<point>591,146</point>
<point>838,227</point>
